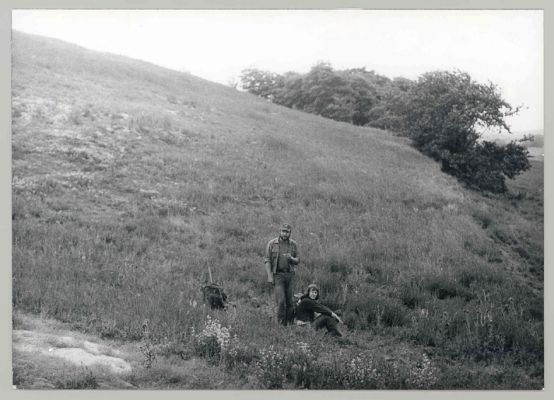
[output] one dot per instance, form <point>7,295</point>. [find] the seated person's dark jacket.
<point>307,307</point>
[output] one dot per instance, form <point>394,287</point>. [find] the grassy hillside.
<point>129,180</point>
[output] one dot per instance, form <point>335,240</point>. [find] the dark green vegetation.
<point>441,112</point>
<point>129,180</point>
<point>354,95</point>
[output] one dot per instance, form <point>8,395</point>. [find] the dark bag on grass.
<point>214,296</point>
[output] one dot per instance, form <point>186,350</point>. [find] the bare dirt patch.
<point>35,336</point>
<point>48,354</point>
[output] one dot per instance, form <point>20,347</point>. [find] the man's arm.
<point>294,258</point>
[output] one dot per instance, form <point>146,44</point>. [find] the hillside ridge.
<point>129,180</point>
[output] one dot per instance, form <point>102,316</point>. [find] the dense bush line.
<point>441,112</point>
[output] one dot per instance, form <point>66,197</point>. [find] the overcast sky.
<point>502,46</point>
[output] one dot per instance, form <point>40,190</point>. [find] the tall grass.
<point>125,191</point>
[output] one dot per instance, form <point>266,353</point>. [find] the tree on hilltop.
<point>340,95</point>
<point>389,111</point>
<point>443,113</point>
<point>265,84</point>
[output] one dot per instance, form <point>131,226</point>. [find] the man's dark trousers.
<point>284,282</point>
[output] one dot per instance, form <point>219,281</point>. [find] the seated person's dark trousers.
<point>325,321</point>
<point>284,282</point>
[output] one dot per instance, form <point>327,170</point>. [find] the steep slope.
<point>130,179</point>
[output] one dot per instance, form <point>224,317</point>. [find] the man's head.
<point>284,233</point>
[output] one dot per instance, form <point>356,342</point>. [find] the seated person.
<point>310,310</point>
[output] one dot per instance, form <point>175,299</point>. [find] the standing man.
<point>280,256</point>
